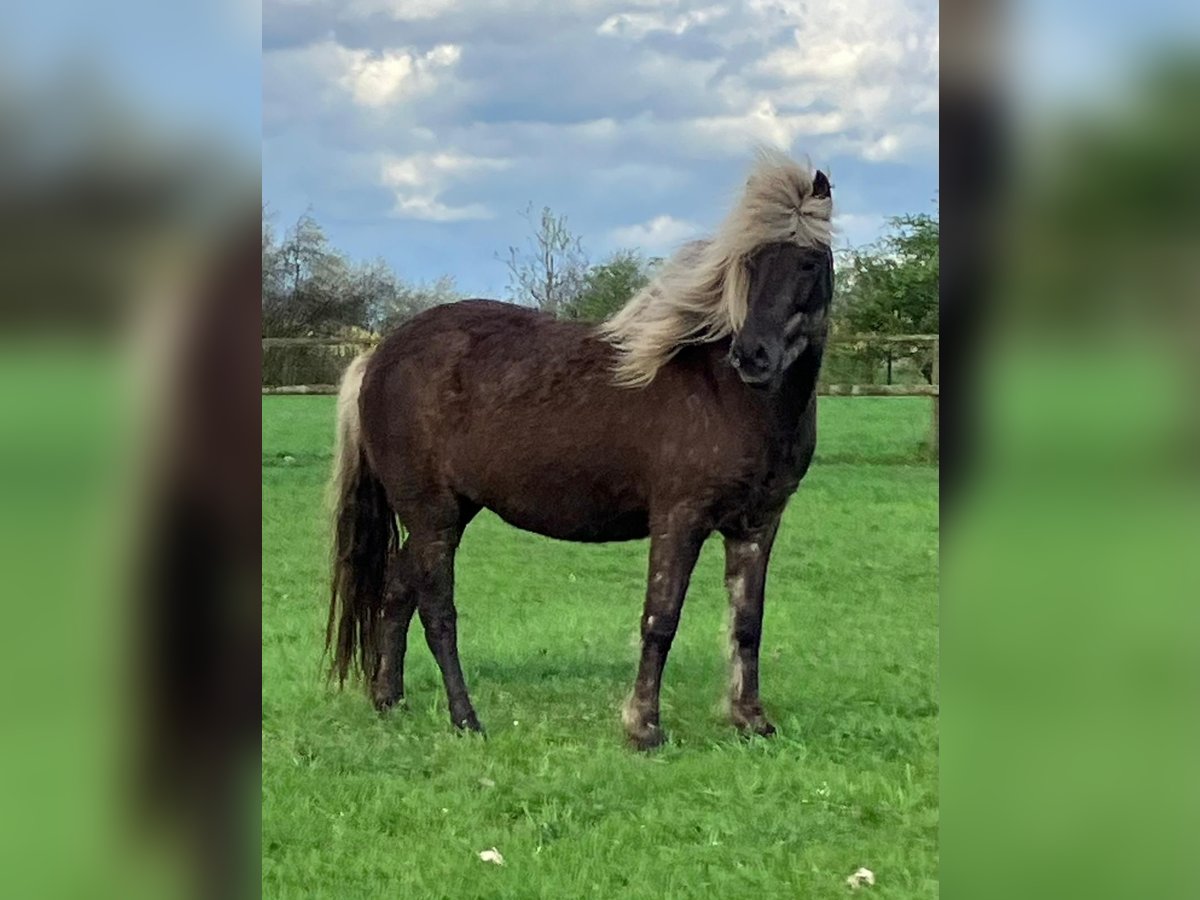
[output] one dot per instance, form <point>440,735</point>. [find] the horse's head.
<point>790,289</point>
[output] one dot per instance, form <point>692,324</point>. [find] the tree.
<point>272,270</point>
<point>550,274</point>
<point>373,287</point>
<point>308,286</point>
<point>608,286</point>
<point>406,300</point>
<point>891,288</point>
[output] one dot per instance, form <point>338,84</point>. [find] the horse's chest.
<point>769,484</point>
<point>767,476</point>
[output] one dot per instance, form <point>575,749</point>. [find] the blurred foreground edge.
<point>199,550</point>
<point>975,137</point>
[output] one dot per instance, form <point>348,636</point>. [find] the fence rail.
<point>269,342</point>
<point>877,390</point>
<point>868,338</point>
<point>933,391</point>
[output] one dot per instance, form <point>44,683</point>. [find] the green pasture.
<point>358,806</point>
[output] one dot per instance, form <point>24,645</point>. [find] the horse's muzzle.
<point>755,368</point>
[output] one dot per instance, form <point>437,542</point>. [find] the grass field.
<point>358,806</point>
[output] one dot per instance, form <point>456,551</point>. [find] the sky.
<point>419,130</point>
<point>186,65</point>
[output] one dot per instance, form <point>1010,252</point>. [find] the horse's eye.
<point>808,267</point>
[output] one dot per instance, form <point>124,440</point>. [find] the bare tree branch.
<point>551,273</point>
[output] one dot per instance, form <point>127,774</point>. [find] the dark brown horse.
<point>692,411</point>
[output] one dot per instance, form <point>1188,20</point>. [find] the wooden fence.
<point>828,390</point>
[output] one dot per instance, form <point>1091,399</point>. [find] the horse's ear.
<point>821,186</point>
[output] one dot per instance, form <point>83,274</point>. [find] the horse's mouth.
<point>756,381</point>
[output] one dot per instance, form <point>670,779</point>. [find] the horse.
<point>691,411</point>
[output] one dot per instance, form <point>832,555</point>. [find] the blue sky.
<point>184,65</point>
<point>417,130</point>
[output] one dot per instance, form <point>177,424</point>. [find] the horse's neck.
<point>799,383</point>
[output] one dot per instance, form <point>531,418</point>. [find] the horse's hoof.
<point>469,722</point>
<point>384,705</point>
<point>752,723</point>
<point>761,728</point>
<point>648,738</point>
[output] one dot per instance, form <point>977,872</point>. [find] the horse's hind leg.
<point>399,604</point>
<point>433,564</point>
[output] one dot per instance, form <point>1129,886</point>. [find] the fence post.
<point>934,441</point>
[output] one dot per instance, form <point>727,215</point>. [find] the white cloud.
<point>404,10</point>
<point>874,62</point>
<point>850,75</point>
<point>310,83</point>
<point>430,209</point>
<point>419,180</point>
<point>662,233</point>
<point>763,123</point>
<point>636,25</point>
<point>905,140</point>
<point>614,111</point>
<point>885,147</point>
<point>377,80</point>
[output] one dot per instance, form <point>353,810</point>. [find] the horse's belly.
<point>570,506</point>
<point>567,524</point>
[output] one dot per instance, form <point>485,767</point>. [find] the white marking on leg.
<point>737,600</point>
<point>737,591</point>
<point>629,714</point>
<point>736,678</point>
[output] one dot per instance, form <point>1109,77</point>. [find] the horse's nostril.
<point>751,362</point>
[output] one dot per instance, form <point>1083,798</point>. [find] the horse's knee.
<point>659,629</point>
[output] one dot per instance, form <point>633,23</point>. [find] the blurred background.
<point>128,480</point>
<point>129,490</point>
<point>1070,309</point>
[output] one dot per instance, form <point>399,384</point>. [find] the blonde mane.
<point>701,293</point>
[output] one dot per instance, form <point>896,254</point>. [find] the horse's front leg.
<point>674,546</point>
<point>746,557</point>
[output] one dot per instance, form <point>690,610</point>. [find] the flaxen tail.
<point>365,532</point>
